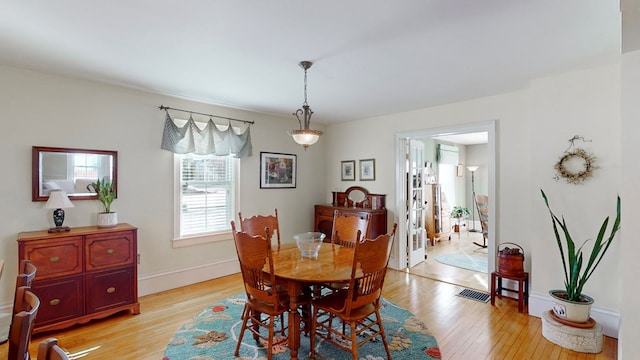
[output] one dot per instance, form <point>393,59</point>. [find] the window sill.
<point>201,239</point>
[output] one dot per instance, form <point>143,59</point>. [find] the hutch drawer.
<point>109,289</point>
<point>55,258</point>
<point>60,299</point>
<point>109,251</point>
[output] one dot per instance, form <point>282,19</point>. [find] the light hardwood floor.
<point>465,329</point>
<point>460,243</point>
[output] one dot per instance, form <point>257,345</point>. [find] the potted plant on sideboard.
<point>571,304</point>
<point>106,195</point>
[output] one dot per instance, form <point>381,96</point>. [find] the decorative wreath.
<point>576,176</point>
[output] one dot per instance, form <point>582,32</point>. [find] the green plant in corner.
<point>459,212</point>
<point>574,275</point>
<point>106,193</point>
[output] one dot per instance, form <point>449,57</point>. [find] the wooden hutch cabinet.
<point>437,217</point>
<point>373,204</point>
<point>83,274</point>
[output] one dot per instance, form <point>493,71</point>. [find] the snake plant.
<point>574,275</point>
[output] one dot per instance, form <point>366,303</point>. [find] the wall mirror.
<point>71,170</point>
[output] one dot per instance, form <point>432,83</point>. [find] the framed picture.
<point>348,170</point>
<point>367,169</point>
<point>277,170</point>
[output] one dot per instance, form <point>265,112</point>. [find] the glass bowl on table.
<point>309,243</point>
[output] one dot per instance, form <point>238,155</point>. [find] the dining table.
<point>332,265</point>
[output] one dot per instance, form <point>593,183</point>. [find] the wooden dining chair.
<point>22,325</point>
<point>26,274</point>
<point>256,265</point>
<point>348,228</point>
<point>356,304</point>
<point>50,350</point>
<point>255,225</point>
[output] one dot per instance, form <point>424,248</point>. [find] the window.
<point>205,195</point>
<point>86,166</point>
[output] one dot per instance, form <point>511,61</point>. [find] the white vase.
<point>109,219</point>
<point>574,311</point>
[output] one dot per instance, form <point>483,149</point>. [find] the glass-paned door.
<point>415,203</point>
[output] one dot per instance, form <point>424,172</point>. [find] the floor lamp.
<point>473,190</point>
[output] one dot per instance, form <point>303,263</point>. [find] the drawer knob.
<point>111,290</point>
<point>54,259</point>
<point>54,302</point>
<point>110,251</point>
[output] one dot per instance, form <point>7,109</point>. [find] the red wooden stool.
<point>523,288</point>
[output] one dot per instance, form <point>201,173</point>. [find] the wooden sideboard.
<point>83,274</point>
<point>373,204</point>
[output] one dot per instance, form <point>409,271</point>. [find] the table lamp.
<point>58,200</point>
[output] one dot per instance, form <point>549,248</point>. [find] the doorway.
<point>402,139</point>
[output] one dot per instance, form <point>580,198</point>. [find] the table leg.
<point>294,289</point>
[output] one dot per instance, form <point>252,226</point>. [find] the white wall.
<point>46,110</point>
<point>532,126</point>
<point>584,103</point>
<point>628,344</point>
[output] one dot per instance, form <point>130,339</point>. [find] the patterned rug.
<point>469,262</point>
<point>213,333</point>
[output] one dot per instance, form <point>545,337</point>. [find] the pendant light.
<point>305,136</point>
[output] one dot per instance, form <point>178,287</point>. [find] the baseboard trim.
<point>155,283</point>
<point>610,320</point>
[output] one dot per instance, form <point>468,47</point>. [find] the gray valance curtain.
<point>190,139</point>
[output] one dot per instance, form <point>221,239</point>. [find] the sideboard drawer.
<point>109,251</point>
<point>60,299</point>
<point>109,289</point>
<point>56,257</point>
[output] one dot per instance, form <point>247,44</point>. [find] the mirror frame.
<point>36,170</point>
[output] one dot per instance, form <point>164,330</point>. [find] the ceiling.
<point>371,57</point>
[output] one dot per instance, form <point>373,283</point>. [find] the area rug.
<point>468,262</point>
<point>213,334</point>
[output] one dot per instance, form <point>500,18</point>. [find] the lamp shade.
<point>305,137</point>
<point>473,168</point>
<point>58,200</point>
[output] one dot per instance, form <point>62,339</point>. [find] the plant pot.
<point>109,219</point>
<point>456,228</point>
<point>573,311</point>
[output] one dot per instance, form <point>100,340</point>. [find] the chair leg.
<point>383,334</point>
<point>312,335</point>
<point>270,340</point>
<point>246,312</point>
<point>354,340</point>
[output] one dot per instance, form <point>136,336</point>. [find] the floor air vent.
<point>475,295</point>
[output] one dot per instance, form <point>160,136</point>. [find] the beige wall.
<point>46,110</point>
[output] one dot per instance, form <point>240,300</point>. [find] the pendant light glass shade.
<point>305,136</point>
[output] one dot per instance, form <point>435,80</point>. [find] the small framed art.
<point>348,170</point>
<point>277,170</point>
<point>367,169</point>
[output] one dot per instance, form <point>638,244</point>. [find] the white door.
<point>416,233</point>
